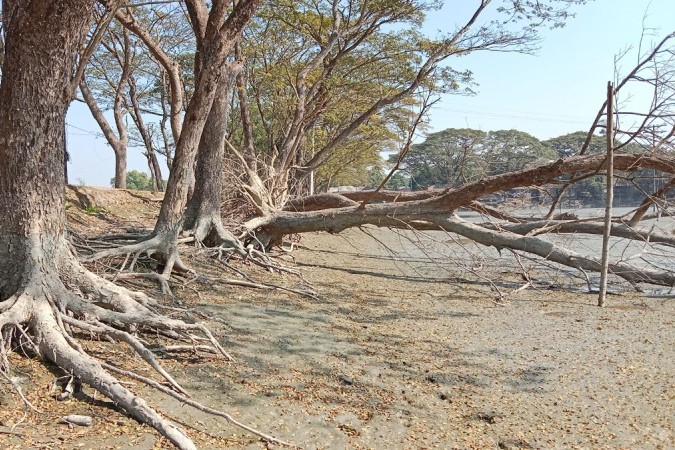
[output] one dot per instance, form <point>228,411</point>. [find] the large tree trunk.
<point>121,169</point>
<point>43,288</point>
<point>171,215</point>
<point>33,104</point>
<point>203,217</point>
<point>221,38</point>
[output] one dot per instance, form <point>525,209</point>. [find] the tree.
<point>203,218</point>
<point>322,67</point>
<point>433,210</point>
<point>572,143</point>
<point>117,49</point>
<point>337,65</point>
<point>46,294</point>
<point>447,158</point>
<point>220,35</point>
<point>139,181</point>
<point>332,48</point>
<point>453,157</point>
<point>513,150</point>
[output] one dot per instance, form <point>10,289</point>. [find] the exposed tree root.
<point>255,285</point>
<point>188,401</point>
<point>164,249</point>
<point>18,390</point>
<point>210,232</point>
<point>55,295</point>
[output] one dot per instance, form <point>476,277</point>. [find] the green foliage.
<point>93,210</point>
<point>137,180</point>
<point>512,150</point>
<point>370,62</point>
<point>448,157</point>
<point>455,156</point>
<point>571,144</point>
<point>397,181</point>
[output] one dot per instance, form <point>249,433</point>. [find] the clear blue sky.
<point>560,88</point>
<point>554,92</point>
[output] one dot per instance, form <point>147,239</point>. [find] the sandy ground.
<point>396,354</point>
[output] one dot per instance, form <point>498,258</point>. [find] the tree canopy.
<point>453,157</point>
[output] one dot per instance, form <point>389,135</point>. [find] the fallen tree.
<point>435,210</point>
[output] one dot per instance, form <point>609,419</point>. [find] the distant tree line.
<point>137,180</point>
<point>456,156</point>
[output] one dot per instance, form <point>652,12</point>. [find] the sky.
<point>560,88</point>
<point>556,91</point>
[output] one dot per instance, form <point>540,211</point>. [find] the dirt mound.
<point>93,210</point>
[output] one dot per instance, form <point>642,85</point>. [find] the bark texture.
<point>203,217</point>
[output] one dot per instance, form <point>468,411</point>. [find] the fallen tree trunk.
<point>620,230</point>
<point>434,210</point>
<point>419,205</point>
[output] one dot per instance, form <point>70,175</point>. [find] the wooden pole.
<point>610,195</point>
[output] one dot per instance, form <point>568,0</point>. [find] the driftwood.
<point>76,419</point>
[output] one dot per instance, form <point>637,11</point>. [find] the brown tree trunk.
<point>121,169</point>
<point>118,143</point>
<point>171,216</point>
<point>33,106</point>
<point>220,40</point>
<point>407,207</point>
<point>137,117</point>
<point>203,213</point>
<point>155,170</point>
